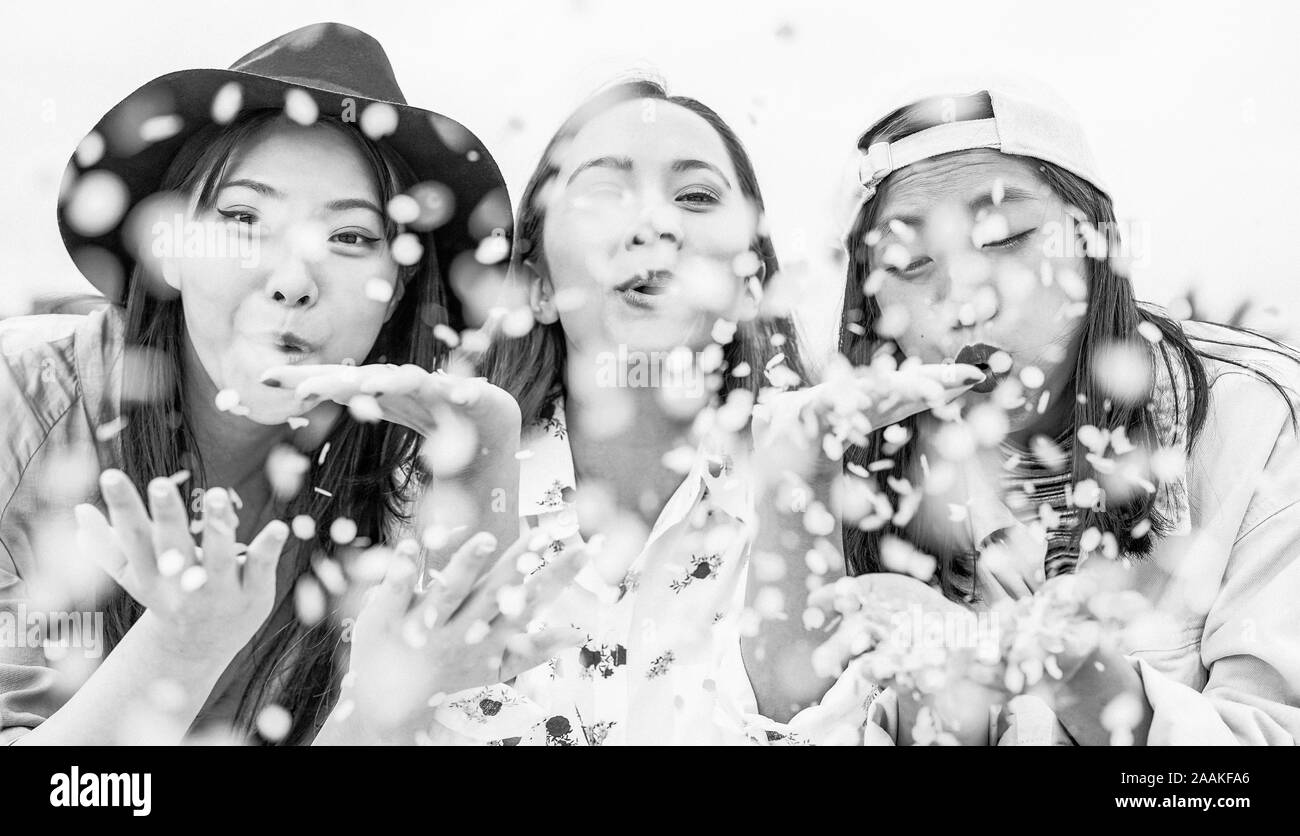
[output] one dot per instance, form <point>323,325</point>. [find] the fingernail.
<point>216,498</point>
<point>277,529</point>
<point>161,488</point>
<point>112,479</point>
<point>486,543</point>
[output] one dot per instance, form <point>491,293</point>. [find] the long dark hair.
<point>297,665</point>
<point>531,367</point>
<point>1113,315</point>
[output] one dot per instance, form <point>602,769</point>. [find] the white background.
<point>1193,108</point>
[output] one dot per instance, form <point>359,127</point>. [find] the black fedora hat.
<point>325,69</point>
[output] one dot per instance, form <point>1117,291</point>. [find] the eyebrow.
<point>625,164</point>
<point>267,190</point>
<point>695,165</point>
<point>619,163</point>
<point>1010,194</point>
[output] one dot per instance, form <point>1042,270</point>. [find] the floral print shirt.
<point>661,664</point>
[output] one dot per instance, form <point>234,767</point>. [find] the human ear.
<point>751,295</point>
<point>541,294</point>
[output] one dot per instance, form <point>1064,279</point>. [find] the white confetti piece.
<point>274,723</point>
<point>511,600</point>
<point>110,429</point>
<point>193,578</point>
<point>300,107</point>
<point>723,332</point>
<point>159,128</point>
<point>407,249</point>
<point>446,334</point>
<point>227,102</point>
<point>492,250</point>
<point>813,619</point>
<point>91,150</point>
<point>378,120</point>
<point>379,290</point>
<point>297,422</point>
<point>227,399</point>
<point>343,531</point>
<point>477,632</point>
<point>365,408</point>
<point>303,527</point>
<point>1032,377</point>
<point>746,264</point>
<point>285,469</point>
<point>97,203</point>
<point>404,209</point>
<point>170,563</point>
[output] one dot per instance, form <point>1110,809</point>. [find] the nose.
<point>970,293</point>
<point>657,223</point>
<point>291,283</point>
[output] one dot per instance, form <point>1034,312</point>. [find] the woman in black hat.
<point>291,210</point>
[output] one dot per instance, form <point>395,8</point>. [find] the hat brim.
<point>436,147</point>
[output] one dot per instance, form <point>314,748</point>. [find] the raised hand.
<point>409,395</point>
<point>467,627</point>
<point>212,598</point>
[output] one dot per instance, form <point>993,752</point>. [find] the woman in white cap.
<point>291,210</point>
<point>1110,444</point>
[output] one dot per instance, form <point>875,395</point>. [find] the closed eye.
<point>1012,242</point>
<point>911,269</point>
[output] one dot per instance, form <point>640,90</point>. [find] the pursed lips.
<point>644,288</point>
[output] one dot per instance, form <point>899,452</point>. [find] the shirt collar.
<point>547,480</point>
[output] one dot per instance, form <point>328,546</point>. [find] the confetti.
<point>477,632</point>
<point>300,107</point>
<point>343,531</point>
<point>170,563</point>
<point>227,399</point>
<point>407,249</point>
<point>159,128</point>
<point>97,203</point>
<point>365,408</point>
<point>227,102</point>
<point>91,149</point>
<point>511,601</point>
<point>378,120</point>
<point>308,601</point>
<point>746,264</point>
<point>193,578</point>
<point>303,527</point>
<point>492,250</point>
<point>285,470</point>
<point>274,723</point>
<point>379,290</point>
<point>1032,377</point>
<point>404,209</point>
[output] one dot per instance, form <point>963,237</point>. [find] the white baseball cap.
<point>1021,125</point>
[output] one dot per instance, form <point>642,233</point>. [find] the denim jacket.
<point>60,391</point>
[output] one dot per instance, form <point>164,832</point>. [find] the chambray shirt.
<point>60,390</point>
